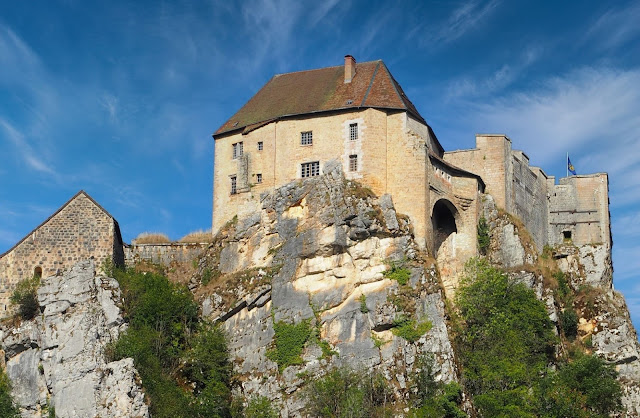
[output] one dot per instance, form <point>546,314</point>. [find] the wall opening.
<point>444,222</point>
<point>566,235</point>
<point>37,272</point>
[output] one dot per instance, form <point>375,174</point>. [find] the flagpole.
<point>567,164</point>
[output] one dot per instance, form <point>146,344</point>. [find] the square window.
<point>310,169</point>
<point>234,185</point>
<point>259,178</point>
<point>306,138</point>
<point>353,131</point>
<point>260,146</point>
<point>353,163</point>
<point>237,149</point>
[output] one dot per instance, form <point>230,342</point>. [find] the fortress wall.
<point>407,168</point>
<point>79,231</point>
<point>579,206</point>
<point>163,254</point>
<point>529,196</point>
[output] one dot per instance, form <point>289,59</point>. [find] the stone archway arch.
<point>445,220</point>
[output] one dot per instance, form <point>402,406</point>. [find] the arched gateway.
<point>443,219</point>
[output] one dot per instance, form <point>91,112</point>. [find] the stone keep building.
<point>81,229</point>
<point>358,114</point>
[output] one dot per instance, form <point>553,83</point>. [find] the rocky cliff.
<point>327,252</point>
<point>56,361</point>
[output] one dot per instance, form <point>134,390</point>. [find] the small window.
<point>353,163</point>
<point>259,178</point>
<point>237,149</point>
<point>37,272</point>
<point>306,138</point>
<point>234,185</point>
<point>353,131</point>
<point>310,169</point>
<point>566,235</point>
<point>260,146</point>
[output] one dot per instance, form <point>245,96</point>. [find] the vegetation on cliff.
<point>7,407</point>
<point>183,362</point>
<point>505,341</point>
<point>25,297</point>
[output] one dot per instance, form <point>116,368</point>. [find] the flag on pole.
<point>570,166</point>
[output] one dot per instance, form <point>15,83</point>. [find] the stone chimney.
<point>349,68</point>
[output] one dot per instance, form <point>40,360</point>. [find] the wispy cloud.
<point>461,20</point>
<point>615,27</point>
<point>469,87</point>
<point>24,150</point>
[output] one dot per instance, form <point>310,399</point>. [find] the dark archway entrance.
<point>443,221</point>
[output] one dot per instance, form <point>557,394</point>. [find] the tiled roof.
<point>321,90</point>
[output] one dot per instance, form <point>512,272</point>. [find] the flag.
<point>570,166</point>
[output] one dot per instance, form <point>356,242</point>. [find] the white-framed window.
<point>310,169</point>
<point>353,162</point>
<point>237,149</point>
<point>353,131</point>
<point>306,138</point>
<point>259,178</point>
<point>234,184</point>
<point>260,145</point>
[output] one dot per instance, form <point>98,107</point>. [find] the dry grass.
<point>197,237</point>
<point>151,238</point>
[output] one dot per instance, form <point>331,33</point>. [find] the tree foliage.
<point>25,297</point>
<point>170,347</point>
<point>483,236</point>
<point>7,406</point>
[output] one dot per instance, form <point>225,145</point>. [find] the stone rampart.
<point>163,254</point>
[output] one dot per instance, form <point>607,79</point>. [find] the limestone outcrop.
<point>57,359</point>
<point>320,251</point>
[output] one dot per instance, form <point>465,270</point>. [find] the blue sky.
<point>120,98</point>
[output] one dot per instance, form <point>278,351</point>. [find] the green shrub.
<point>260,407</point>
<point>363,304</point>
<point>399,274</point>
<point>564,292</point>
<point>585,387</point>
<point>289,341</point>
<point>569,323</point>
<point>483,236</point>
<point>172,351</point>
<point>434,399</point>
<point>25,297</point>
<point>7,406</point>
<point>345,393</point>
<point>410,329</point>
<point>505,341</point>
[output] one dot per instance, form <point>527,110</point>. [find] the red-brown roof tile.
<point>321,90</point>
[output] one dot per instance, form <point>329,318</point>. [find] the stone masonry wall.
<point>164,254</point>
<point>79,231</point>
<point>579,206</point>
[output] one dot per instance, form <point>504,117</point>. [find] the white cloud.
<point>461,20</point>
<point>615,27</point>
<point>24,150</point>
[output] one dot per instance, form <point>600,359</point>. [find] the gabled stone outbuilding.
<point>79,230</point>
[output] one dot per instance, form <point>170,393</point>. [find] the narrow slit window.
<point>234,185</point>
<point>353,131</point>
<point>260,146</point>
<point>353,163</point>
<point>237,149</point>
<point>259,178</point>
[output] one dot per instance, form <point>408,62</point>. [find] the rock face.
<point>318,252</point>
<point>57,359</point>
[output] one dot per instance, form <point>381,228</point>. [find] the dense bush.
<point>289,341</point>
<point>7,408</point>
<point>505,342</point>
<point>183,363</point>
<point>410,329</point>
<point>434,399</point>
<point>25,297</point>
<point>569,323</point>
<point>585,387</point>
<point>345,393</point>
<point>483,236</point>
<point>260,407</point>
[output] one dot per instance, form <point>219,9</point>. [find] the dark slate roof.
<point>321,90</point>
<point>81,192</point>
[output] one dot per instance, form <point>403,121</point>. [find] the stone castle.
<point>358,115</point>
